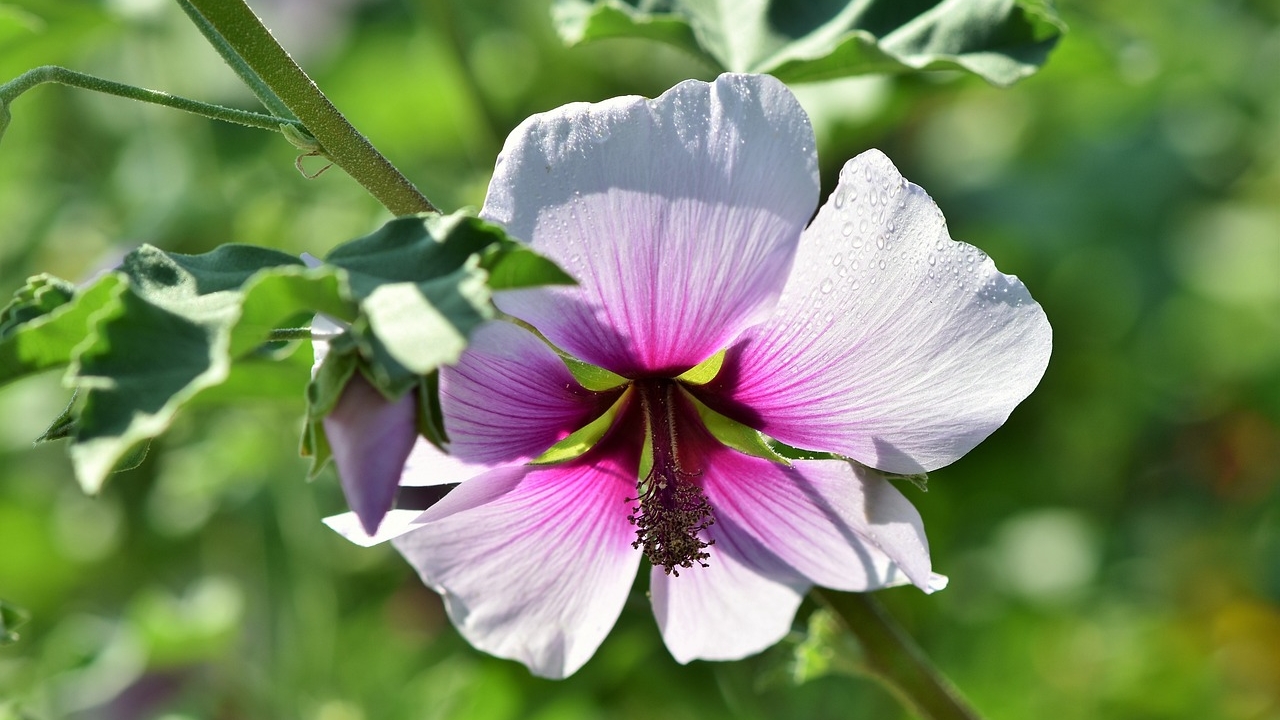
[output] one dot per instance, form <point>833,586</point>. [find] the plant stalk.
<point>250,40</point>
<point>54,74</point>
<point>894,659</point>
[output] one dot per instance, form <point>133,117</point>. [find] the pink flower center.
<point>672,509</point>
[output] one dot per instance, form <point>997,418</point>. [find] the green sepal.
<point>430,414</point>
<point>736,435</point>
<point>11,618</point>
<point>580,441</point>
<point>592,377</point>
<point>795,453</point>
<point>919,480</point>
<point>800,41</point>
<point>63,426</point>
<point>704,372</point>
<point>826,648</point>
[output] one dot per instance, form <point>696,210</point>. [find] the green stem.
<point>894,659</point>
<point>54,74</point>
<point>245,34</point>
<point>285,334</point>
<point>268,99</point>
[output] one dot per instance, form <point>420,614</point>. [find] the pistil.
<point>672,509</point>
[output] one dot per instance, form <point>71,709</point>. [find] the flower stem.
<point>54,74</point>
<point>269,99</point>
<point>249,39</point>
<point>894,659</point>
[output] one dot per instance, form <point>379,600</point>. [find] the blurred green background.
<point>1114,550</point>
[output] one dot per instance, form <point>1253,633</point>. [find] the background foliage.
<point>1114,550</point>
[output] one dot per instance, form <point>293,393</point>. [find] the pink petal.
<point>510,397</point>
<point>534,563</point>
<point>678,216</point>
<point>370,437</point>
<point>833,522</point>
<point>728,610</point>
<point>777,531</point>
<point>892,343</point>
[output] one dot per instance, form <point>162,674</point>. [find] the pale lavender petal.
<point>678,216</point>
<point>833,522</point>
<point>892,343</point>
<point>728,610</point>
<point>371,437</point>
<point>394,524</point>
<point>428,466</point>
<point>510,397</point>
<point>534,563</point>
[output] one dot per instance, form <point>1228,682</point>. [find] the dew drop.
<point>880,242</point>
<point>933,260</point>
<point>839,258</point>
<point>882,264</point>
<point>884,198</point>
<point>827,285</point>
<point>839,199</point>
<point>846,229</point>
<point>855,264</point>
<point>863,226</point>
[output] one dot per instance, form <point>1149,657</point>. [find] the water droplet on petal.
<point>880,242</point>
<point>839,199</point>
<point>882,264</point>
<point>846,229</point>
<point>827,285</point>
<point>839,258</point>
<point>932,260</point>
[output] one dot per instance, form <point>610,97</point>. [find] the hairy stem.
<point>54,74</point>
<point>894,659</point>
<point>246,74</point>
<point>250,40</point>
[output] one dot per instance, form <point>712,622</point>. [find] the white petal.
<point>678,216</point>
<point>892,343</point>
<point>394,524</point>
<point>727,610</point>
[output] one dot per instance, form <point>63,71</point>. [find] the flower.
<point>869,335</point>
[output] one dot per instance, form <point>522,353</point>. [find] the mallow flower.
<point>630,417</point>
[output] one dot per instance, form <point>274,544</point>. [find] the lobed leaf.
<point>183,322</point>
<point>807,40</point>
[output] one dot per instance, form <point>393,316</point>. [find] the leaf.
<point>40,296</point>
<point>808,40</point>
<point>515,266</point>
<point>11,618</point>
<point>50,339</point>
<point>177,332</point>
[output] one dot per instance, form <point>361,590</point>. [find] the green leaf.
<point>183,322</point>
<point>807,40</point>
<point>40,296</point>
<point>11,618</point>
<point>512,266</point>
<point>48,340</point>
